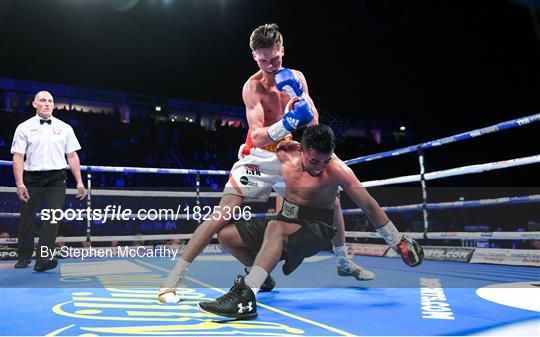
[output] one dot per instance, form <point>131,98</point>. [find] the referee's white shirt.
<point>45,145</point>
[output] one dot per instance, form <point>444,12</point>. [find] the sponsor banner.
<point>210,249</point>
<point>516,257</point>
<point>367,249</point>
<point>8,254</point>
<point>457,254</point>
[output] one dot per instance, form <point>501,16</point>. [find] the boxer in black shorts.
<point>312,174</point>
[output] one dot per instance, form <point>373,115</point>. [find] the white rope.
<point>470,169</point>
<point>535,198</point>
<point>166,214</point>
<point>456,235</point>
<point>477,168</point>
<point>348,234</point>
<point>152,237</point>
<point>130,193</point>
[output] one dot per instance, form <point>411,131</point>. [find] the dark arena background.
<point>435,106</point>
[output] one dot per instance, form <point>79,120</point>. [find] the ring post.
<point>424,190</point>
<point>198,191</point>
<point>88,200</point>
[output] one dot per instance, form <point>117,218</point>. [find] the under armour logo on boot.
<point>248,307</point>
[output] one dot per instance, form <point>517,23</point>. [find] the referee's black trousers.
<point>49,186</point>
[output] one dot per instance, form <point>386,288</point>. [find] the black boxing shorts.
<point>314,235</point>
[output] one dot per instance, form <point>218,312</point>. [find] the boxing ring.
<point>460,289</point>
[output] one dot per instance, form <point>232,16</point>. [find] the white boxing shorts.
<point>255,174</point>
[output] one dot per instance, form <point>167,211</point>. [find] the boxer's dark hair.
<point>320,138</point>
<point>265,36</point>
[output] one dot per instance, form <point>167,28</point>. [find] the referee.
<point>45,141</point>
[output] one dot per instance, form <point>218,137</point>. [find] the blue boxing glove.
<point>286,80</point>
<point>298,114</point>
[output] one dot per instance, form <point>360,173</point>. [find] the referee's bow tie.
<point>45,121</point>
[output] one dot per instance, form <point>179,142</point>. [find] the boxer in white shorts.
<point>277,103</point>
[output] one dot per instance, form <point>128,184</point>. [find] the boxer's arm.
<point>410,251</point>
<point>308,98</point>
<point>255,116</point>
<point>359,195</point>
<point>285,149</point>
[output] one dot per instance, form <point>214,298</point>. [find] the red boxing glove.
<point>411,252</point>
